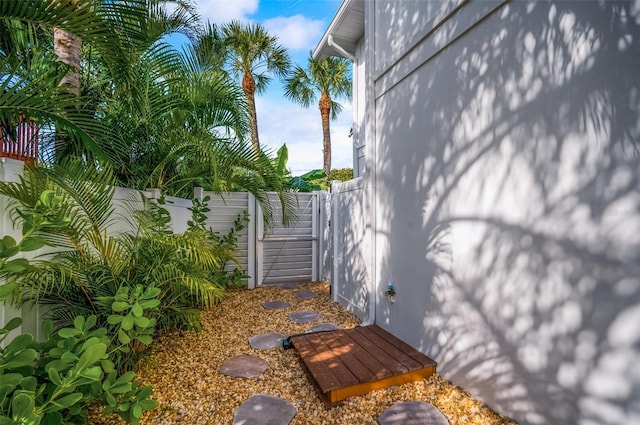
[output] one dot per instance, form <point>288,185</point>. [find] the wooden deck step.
<point>349,362</point>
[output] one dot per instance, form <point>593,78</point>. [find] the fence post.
<point>315,215</point>
<point>251,247</point>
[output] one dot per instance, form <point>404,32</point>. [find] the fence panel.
<point>225,209</point>
<point>289,254</point>
<point>349,275</point>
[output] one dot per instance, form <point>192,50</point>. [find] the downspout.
<point>331,42</point>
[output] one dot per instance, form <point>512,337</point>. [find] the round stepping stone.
<point>276,305</point>
<point>262,409</point>
<point>288,286</point>
<point>303,316</point>
<point>412,413</point>
<point>266,341</point>
<point>323,327</point>
<point>303,295</point>
<point>244,366</point>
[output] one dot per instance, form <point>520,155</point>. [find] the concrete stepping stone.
<point>276,305</point>
<point>303,316</point>
<point>288,286</point>
<point>262,409</point>
<point>267,340</point>
<point>244,366</point>
<point>412,413</point>
<point>323,327</point>
<point>303,295</point>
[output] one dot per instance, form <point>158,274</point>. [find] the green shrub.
<point>89,268</point>
<point>52,382</point>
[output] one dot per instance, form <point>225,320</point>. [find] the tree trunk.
<point>249,88</point>
<point>325,111</point>
<point>68,49</point>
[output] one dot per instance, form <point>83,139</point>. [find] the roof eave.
<point>349,20</point>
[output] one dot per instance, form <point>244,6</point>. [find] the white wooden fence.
<point>269,255</point>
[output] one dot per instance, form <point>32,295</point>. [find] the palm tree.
<point>254,54</point>
<point>329,77</point>
<point>68,49</point>
<point>29,82</point>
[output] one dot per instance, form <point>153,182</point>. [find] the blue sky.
<point>299,25</point>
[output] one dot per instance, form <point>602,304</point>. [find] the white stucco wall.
<point>507,199</point>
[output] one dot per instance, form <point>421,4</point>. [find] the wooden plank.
<point>326,357</point>
<point>347,357</point>
<point>372,364</point>
<point>336,396</point>
<point>406,348</point>
<point>392,350</point>
<point>351,362</point>
<point>375,352</point>
<point>318,370</point>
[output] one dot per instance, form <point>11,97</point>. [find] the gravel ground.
<point>183,368</point>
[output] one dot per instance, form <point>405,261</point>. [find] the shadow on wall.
<point>508,194</point>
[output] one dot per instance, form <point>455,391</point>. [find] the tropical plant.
<point>29,81</point>
<point>254,55</point>
<point>310,181</point>
<point>51,382</point>
<point>341,174</point>
<point>90,269</point>
<point>223,277</point>
<point>329,78</point>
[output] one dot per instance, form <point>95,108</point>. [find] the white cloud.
<point>280,121</point>
<point>295,32</point>
<point>221,11</point>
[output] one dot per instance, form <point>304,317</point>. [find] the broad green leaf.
<point>119,306</point>
<point>137,310</point>
<point>123,337</point>
<point>127,323</point>
<point>22,405</point>
<point>6,421</point>
<point>54,376</point>
<point>29,383</point>
<point>8,242</point>
<point>78,323</point>
<point>114,319</point>
<point>12,379</point>
<point>93,355</point>
<point>145,339</point>
<point>142,322</point>
<point>23,358</point>
<point>68,400</point>
<point>32,243</point>
<point>11,325</point>
<point>136,412</point>
<point>90,322</point>
<point>15,266</point>
<point>149,304</point>
<point>68,332</point>
<point>148,404</point>
<point>52,418</point>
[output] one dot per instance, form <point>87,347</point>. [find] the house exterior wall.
<point>504,172</point>
<point>359,108</point>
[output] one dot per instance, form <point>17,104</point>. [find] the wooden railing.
<point>25,145</point>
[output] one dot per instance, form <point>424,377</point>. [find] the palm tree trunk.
<point>249,88</point>
<point>325,110</point>
<point>68,49</point>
